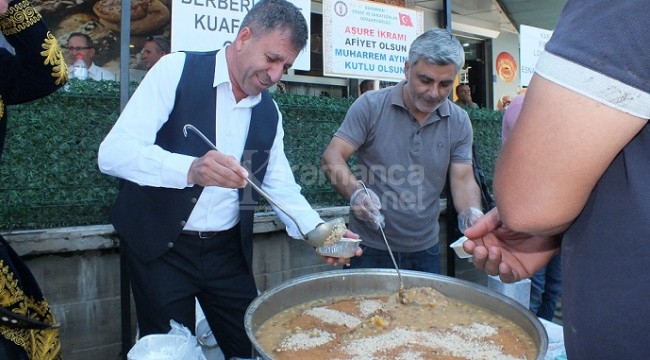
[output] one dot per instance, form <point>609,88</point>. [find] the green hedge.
<point>49,175</point>
<point>487,137</point>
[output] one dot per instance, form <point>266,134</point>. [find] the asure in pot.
<point>359,327</point>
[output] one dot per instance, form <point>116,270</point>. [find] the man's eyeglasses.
<point>78,48</point>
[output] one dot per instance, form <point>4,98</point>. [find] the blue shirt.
<point>600,50</point>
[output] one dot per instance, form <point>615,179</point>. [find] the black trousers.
<point>212,270</point>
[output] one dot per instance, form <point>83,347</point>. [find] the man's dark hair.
<point>161,42</point>
<point>438,47</point>
<point>89,40</point>
<point>365,85</point>
<point>269,15</point>
<point>463,84</point>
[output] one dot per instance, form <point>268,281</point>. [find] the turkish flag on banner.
<point>405,20</point>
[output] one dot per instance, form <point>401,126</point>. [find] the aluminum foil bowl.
<point>352,282</point>
<point>344,248</point>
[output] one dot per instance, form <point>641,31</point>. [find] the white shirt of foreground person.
<point>129,152</point>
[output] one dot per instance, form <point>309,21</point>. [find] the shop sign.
<point>532,41</point>
<point>368,40</point>
<point>202,25</point>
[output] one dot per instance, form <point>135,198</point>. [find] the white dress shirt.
<point>128,151</point>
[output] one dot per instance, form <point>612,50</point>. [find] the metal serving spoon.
<point>324,234</point>
<point>401,293</point>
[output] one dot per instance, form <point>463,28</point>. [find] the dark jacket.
<point>33,70</point>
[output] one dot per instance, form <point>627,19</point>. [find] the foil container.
<point>344,248</point>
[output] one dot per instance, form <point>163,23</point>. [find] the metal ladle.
<point>401,293</point>
<point>324,234</point>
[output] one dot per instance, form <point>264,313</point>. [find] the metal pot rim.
<point>366,281</point>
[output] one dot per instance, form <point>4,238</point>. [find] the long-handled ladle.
<point>324,234</point>
<point>401,292</point>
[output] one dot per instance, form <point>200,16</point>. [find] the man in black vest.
<point>184,212</point>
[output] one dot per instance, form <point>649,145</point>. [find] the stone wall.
<point>78,270</point>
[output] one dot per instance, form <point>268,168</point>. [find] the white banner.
<point>203,25</point>
<point>363,39</point>
<point>531,45</point>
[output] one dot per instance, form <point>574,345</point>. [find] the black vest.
<point>149,219</point>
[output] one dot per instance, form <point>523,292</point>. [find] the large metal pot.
<point>384,281</point>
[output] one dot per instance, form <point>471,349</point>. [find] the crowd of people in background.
<point>80,46</point>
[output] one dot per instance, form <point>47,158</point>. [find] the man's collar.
<point>396,97</point>
<point>221,73</point>
<point>221,68</point>
<point>444,110</point>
